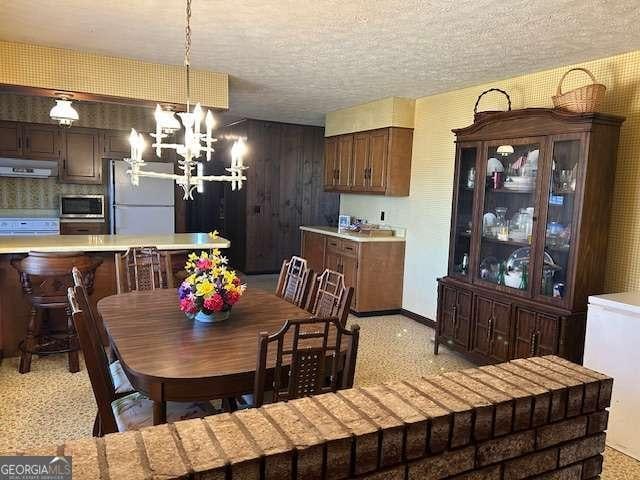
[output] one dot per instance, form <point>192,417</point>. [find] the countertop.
<point>625,301</point>
<point>108,243</point>
<point>353,236</point>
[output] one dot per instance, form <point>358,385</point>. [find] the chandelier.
<point>195,142</point>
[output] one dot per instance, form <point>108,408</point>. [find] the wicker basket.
<point>583,99</point>
<point>479,115</point>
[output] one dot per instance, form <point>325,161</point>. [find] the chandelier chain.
<point>187,49</point>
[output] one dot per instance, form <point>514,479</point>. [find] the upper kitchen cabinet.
<point>373,161</point>
<point>10,139</point>
<point>81,160</point>
<point>29,140</point>
<point>115,144</point>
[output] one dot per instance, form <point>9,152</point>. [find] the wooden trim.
<point>376,313</point>
<point>419,318</point>
<point>91,97</point>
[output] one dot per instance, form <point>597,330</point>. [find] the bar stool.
<point>44,278</point>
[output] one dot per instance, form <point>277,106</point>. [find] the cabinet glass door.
<point>463,210</point>
<point>506,220</point>
<point>558,244</point>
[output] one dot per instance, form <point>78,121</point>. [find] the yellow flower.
<point>213,235</point>
<point>204,289</point>
<point>191,279</point>
<point>192,256</point>
<point>204,255</point>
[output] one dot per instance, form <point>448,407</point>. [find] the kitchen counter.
<point>108,243</point>
<point>353,236</point>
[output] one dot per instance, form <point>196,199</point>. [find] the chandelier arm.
<point>142,173</point>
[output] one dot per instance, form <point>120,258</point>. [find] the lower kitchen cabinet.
<point>373,268</point>
<point>83,228</point>
<point>493,329</point>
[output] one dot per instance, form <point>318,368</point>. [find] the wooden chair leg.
<point>29,341</point>
<point>74,361</point>
<point>229,404</point>
<point>97,428</point>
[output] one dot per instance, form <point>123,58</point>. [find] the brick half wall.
<point>541,418</point>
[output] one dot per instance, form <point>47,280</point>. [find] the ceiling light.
<point>192,177</point>
<point>63,112</point>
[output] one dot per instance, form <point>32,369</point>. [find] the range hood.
<point>18,167</point>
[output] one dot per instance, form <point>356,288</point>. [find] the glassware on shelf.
<point>502,224</point>
<point>471,178</point>
<point>565,181</point>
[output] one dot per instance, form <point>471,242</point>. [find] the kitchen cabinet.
<point>528,241</point>
<point>373,161</point>
<point>83,228</point>
<point>115,144</point>
<point>454,319</point>
<point>81,160</point>
<point>373,268</point>
<point>41,142</point>
<point>10,139</point>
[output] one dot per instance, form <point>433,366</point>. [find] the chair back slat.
<point>294,281</point>
<point>95,359</point>
<point>330,297</point>
<point>140,269</point>
<point>305,351</point>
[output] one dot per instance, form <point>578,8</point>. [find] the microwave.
<point>81,206</point>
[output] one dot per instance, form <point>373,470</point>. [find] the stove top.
<point>29,226</point>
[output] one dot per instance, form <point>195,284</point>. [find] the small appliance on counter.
<point>29,226</point>
<point>147,208</point>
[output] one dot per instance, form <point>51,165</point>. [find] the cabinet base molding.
<point>375,313</point>
<point>419,318</point>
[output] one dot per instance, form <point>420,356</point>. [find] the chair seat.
<point>135,411</point>
<point>121,383</point>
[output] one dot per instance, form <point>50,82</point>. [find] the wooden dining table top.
<point>155,340</point>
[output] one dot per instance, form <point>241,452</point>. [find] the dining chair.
<point>294,281</point>
<point>121,384</point>
<point>140,269</point>
<point>119,413</point>
<point>329,297</point>
<point>308,359</point>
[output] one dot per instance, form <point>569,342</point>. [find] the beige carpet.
<point>49,405</point>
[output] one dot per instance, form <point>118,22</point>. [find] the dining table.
<point>170,357</point>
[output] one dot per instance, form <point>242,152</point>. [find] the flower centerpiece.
<point>211,289</point>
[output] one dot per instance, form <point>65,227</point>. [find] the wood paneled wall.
<point>284,190</point>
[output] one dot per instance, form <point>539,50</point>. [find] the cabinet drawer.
<point>333,243</point>
<point>83,228</point>
<point>347,247</point>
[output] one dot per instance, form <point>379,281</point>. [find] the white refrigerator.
<point>145,209</point>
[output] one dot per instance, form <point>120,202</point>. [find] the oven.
<point>81,206</point>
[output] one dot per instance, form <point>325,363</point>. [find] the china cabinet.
<point>529,230</point>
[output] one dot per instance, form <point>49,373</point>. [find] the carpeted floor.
<point>49,405</point>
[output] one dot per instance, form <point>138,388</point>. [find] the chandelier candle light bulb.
<point>195,142</point>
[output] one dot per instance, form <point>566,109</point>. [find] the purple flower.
<point>184,290</point>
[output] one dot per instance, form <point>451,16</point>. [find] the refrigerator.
<point>145,209</point>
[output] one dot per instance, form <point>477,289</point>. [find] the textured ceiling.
<point>296,60</point>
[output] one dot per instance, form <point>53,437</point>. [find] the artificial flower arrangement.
<point>211,289</point>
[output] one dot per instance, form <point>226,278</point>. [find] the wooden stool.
<point>45,278</point>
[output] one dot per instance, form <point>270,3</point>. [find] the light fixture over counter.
<point>195,141</point>
<point>63,112</point>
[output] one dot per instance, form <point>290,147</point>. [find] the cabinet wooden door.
<point>349,268</point>
<point>536,334</point>
<point>313,246</point>
<point>330,162</point>
<point>359,177</point>
<point>455,315</point>
<point>447,311</point>
<point>332,260</point>
<point>41,142</point>
<point>10,139</point>
<point>344,159</point>
<point>378,161</point>
<point>462,327</point>
<point>115,144</point>
<point>81,162</point>
<point>491,329</point>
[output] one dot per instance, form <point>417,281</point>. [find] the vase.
<point>213,317</point>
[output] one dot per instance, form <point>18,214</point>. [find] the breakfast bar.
<point>14,308</point>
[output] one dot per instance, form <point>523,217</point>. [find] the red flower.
<point>232,297</point>
<point>215,303</point>
<point>204,264</point>
<point>187,305</point>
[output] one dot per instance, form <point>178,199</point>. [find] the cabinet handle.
<point>19,143</point>
<point>336,174</point>
<point>532,345</point>
<point>490,329</point>
<point>454,311</point>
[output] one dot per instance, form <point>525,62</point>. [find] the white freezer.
<point>611,347</point>
<point>133,220</point>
